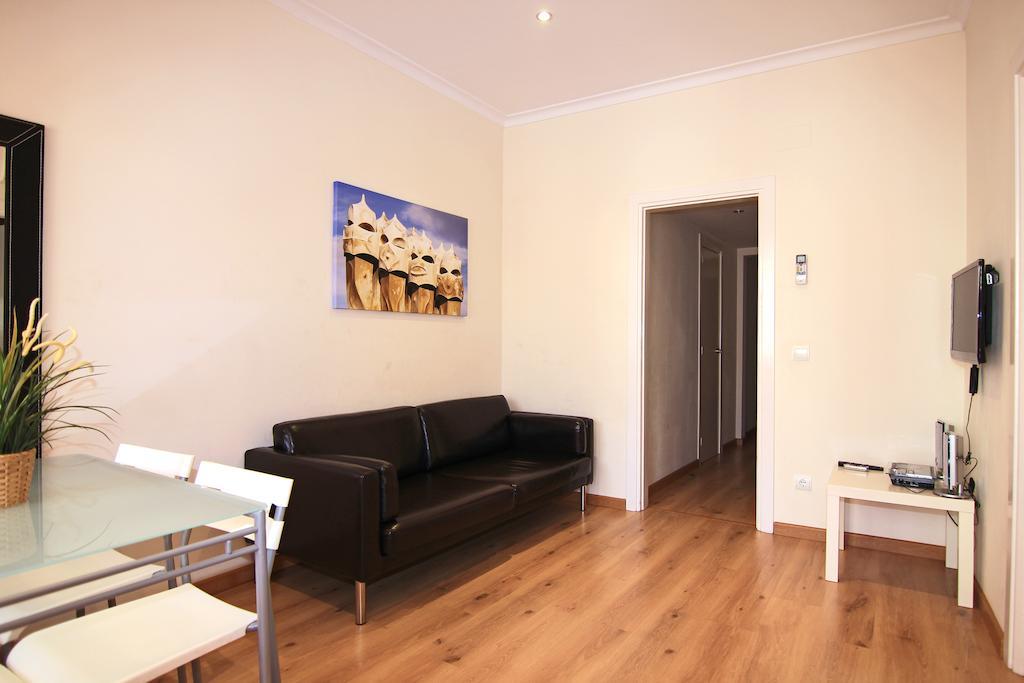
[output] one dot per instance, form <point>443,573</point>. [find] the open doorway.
<point>699,396</point>
<point>642,206</point>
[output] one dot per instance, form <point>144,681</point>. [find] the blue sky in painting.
<point>440,226</point>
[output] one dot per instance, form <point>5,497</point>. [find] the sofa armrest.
<point>333,520</point>
<point>387,474</point>
<point>562,434</point>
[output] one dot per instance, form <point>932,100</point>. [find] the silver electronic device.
<point>940,445</point>
<point>952,485</point>
<point>914,476</point>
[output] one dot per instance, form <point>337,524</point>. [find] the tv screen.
<point>969,314</point>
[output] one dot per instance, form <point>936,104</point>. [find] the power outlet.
<point>802,482</point>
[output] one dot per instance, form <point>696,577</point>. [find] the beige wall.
<point>190,152</point>
<point>995,51</point>
<point>670,381</point>
<point>868,155</point>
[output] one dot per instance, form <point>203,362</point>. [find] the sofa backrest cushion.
<point>393,434</point>
<point>465,428</point>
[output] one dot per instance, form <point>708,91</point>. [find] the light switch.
<point>801,353</point>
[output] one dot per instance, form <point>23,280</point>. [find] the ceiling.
<point>495,57</point>
<point>733,222</point>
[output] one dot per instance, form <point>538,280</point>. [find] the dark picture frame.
<point>22,257</point>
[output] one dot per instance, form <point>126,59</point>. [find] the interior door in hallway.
<point>709,438</point>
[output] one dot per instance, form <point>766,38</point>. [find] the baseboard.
<point>889,545</point>
<point>606,501</point>
<point>671,477</point>
<point>983,605</point>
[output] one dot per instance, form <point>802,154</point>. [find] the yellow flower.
<point>31,314</point>
<point>57,354</point>
<point>27,348</point>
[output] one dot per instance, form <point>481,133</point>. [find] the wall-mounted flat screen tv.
<point>972,322</point>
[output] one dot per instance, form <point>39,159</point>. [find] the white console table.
<point>875,486</point>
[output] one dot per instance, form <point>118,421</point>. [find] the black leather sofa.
<point>377,491</point>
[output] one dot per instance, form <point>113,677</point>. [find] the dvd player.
<point>915,476</point>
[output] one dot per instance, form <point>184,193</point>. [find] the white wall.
<point>995,51</point>
<point>670,382</point>
<point>190,151</point>
<point>868,155</point>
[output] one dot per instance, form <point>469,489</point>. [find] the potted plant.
<point>36,375</point>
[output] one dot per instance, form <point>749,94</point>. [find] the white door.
<point>709,383</point>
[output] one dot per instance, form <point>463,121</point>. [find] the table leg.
<point>832,527</point>
<point>951,545</point>
<point>842,524</point>
<point>965,570</point>
<point>267,642</point>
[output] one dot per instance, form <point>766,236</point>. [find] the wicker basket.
<point>16,477</point>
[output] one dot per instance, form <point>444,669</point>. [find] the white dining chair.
<point>177,465</point>
<point>165,463</point>
<point>273,491</point>
<point>150,636</point>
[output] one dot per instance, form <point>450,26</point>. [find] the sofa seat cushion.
<point>432,507</point>
<point>530,474</point>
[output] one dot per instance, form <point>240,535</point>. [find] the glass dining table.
<point>80,505</point>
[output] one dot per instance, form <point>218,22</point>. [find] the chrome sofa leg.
<point>583,498</point>
<point>360,603</point>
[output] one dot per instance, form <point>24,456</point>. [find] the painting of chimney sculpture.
<point>361,246</point>
<point>393,255</point>
<point>394,266</point>
<point>422,274</point>
<point>449,283</point>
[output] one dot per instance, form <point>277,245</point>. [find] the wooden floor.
<point>721,488</point>
<point>686,590</point>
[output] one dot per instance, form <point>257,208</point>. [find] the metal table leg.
<point>267,642</point>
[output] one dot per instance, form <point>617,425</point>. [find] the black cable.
<point>950,515</point>
<point>967,427</point>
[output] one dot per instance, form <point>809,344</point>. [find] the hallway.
<point>720,488</point>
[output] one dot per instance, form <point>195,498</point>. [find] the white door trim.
<point>1014,641</point>
<point>741,255</point>
<point>640,204</point>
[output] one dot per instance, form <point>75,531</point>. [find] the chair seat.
<point>531,475</point>
<point>135,641</point>
<point>431,507</point>
<point>25,581</point>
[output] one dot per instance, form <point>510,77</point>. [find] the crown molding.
<point>959,11</point>
<point>781,60</point>
<point>318,18</point>
<point>330,24</point>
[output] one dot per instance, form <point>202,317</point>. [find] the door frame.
<point>703,241</point>
<point>741,341</point>
<point>1013,643</point>
<point>640,204</point>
